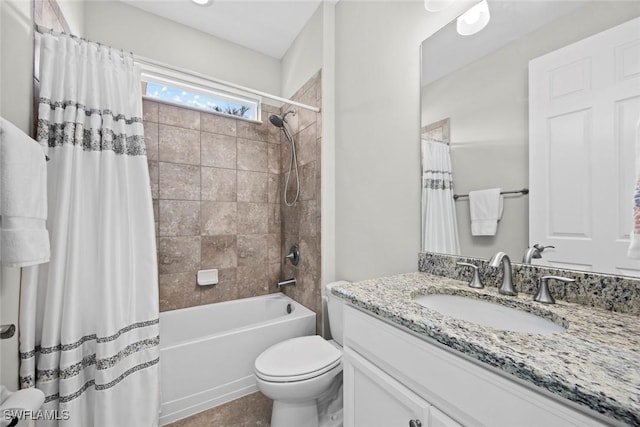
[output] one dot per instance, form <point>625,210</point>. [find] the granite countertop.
<point>595,363</point>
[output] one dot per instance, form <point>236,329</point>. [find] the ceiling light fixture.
<point>201,2</point>
<point>436,5</point>
<point>474,19</point>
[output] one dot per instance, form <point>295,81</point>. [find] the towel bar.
<point>523,191</point>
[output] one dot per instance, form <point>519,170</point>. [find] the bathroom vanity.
<point>408,365</point>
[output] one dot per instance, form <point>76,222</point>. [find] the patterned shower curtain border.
<point>92,140</point>
<point>438,184</point>
<point>100,387</point>
<point>80,368</point>
<point>101,364</point>
<point>90,111</point>
<point>78,343</point>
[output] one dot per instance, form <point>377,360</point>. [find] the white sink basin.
<point>489,314</point>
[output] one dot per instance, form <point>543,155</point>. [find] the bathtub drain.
<point>288,308</point>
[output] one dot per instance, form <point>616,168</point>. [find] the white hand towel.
<point>486,209</point>
<point>24,239</point>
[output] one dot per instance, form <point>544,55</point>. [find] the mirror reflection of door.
<point>584,107</point>
<point>481,83</point>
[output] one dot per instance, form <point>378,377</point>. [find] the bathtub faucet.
<point>290,282</point>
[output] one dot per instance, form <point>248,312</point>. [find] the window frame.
<point>200,86</point>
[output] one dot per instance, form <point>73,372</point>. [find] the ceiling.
<point>447,51</point>
<point>266,26</point>
<point>271,26</point>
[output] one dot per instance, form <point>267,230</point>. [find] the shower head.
<point>278,121</point>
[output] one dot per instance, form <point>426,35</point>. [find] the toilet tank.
<point>334,310</point>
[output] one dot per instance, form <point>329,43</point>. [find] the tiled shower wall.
<point>216,187</point>
<point>229,231</point>
<point>214,184</point>
<point>301,223</point>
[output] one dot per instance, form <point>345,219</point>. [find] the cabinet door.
<point>374,399</point>
<point>438,418</point>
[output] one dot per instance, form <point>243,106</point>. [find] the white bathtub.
<point>207,352</point>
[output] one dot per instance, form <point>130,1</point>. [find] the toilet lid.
<point>297,359</point>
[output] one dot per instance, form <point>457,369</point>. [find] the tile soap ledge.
<point>595,363</point>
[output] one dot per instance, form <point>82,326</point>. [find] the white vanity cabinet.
<point>374,398</point>
<point>393,378</point>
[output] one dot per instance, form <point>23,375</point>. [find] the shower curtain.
<point>439,228</point>
<point>89,318</point>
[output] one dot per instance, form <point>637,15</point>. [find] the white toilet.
<point>295,372</point>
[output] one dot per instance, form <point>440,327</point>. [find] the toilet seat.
<point>297,359</point>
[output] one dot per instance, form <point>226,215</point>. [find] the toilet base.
<point>301,414</point>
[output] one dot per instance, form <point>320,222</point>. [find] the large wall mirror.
<point>479,93</point>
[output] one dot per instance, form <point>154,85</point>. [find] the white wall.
<point>314,49</point>
<point>304,57</point>
<point>377,134</point>
<point>328,151</point>
<point>487,102</point>
<point>73,11</point>
<point>16,45</point>
<point>126,27</point>
<point>16,67</point>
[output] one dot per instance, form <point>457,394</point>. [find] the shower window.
<point>205,97</point>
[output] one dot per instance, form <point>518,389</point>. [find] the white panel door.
<point>584,107</point>
<point>374,399</point>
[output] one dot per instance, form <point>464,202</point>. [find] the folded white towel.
<point>486,209</point>
<point>24,239</point>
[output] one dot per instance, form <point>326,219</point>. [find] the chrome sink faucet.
<point>534,252</point>
<point>507,280</point>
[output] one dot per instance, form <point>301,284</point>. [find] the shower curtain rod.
<point>142,60</point>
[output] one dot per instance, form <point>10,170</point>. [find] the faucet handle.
<point>543,295</point>
<point>539,249</point>
<point>475,280</point>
